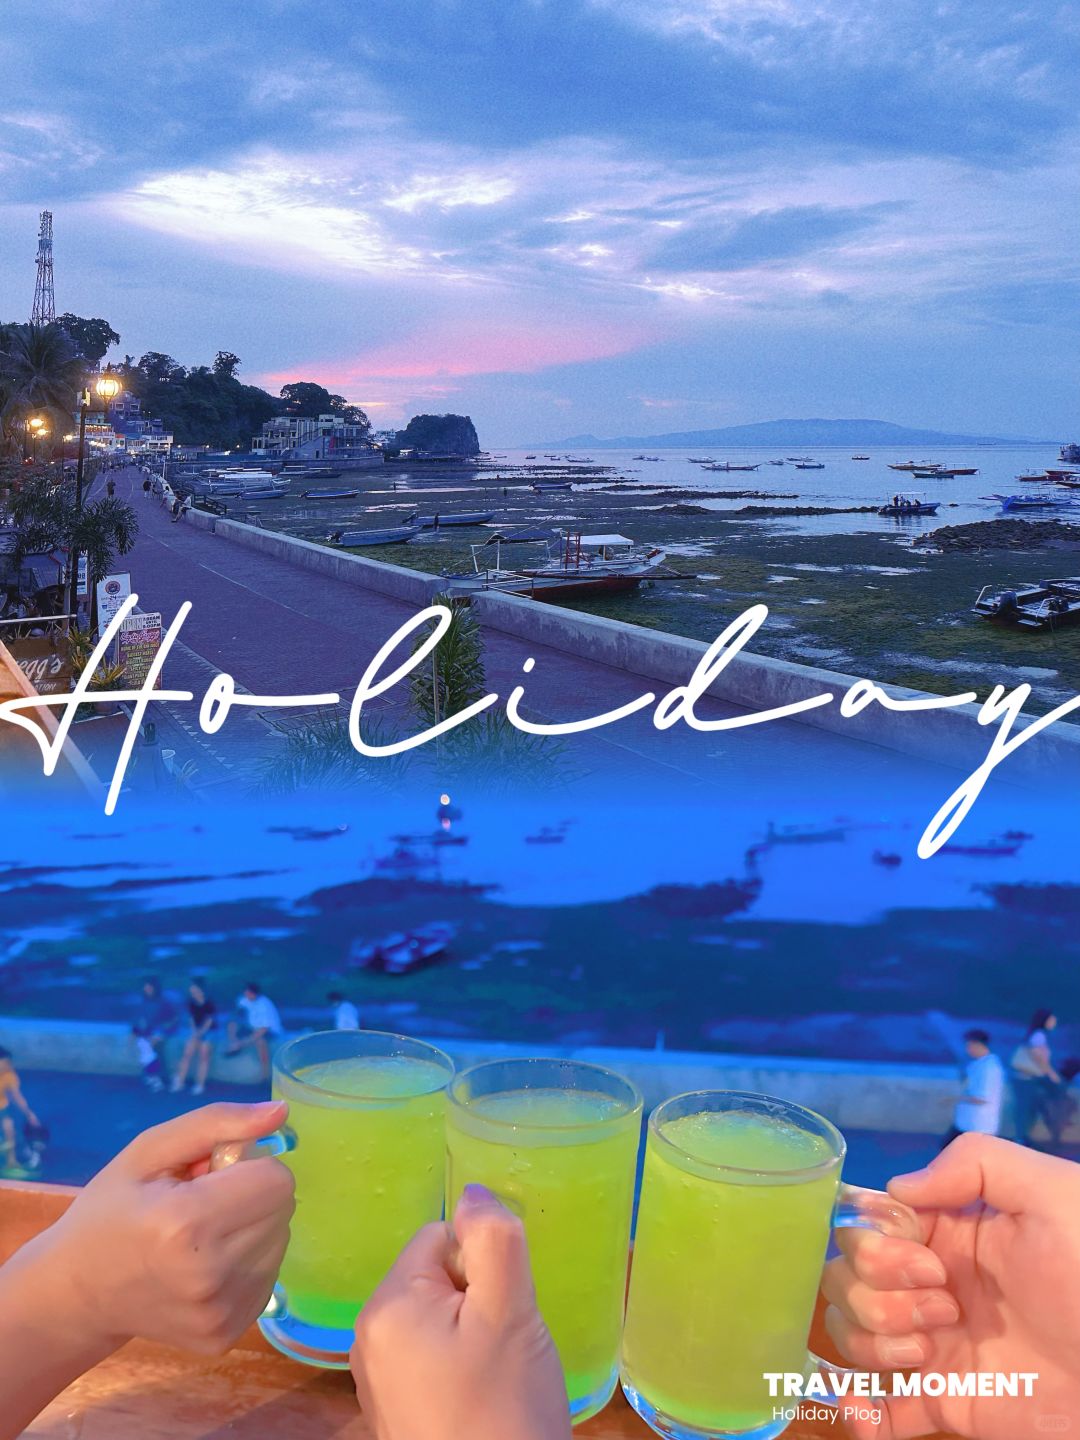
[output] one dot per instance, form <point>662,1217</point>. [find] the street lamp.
<point>38,428</point>
<point>107,387</point>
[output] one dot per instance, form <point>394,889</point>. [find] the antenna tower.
<point>44,297</point>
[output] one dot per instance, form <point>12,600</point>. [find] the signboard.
<point>47,668</point>
<point>82,584</point>
<point>111,594</point>
<point>139,642</point>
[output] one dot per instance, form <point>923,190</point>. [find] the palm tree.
<point>39,373</point>
<point>45,517</point>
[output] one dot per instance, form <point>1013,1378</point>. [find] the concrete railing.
<point>759,683</point>
<point>855,1094</point>
<point>410,586</point>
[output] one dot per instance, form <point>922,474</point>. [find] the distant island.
<point>788,432</point>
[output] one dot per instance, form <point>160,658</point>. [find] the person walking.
<point>11,1095</point>
<point>978,1110</point>
<point>257,1027</point>
<point>110,487</point>
<point>146,488</point>
<point>199,1045</point>
<point>343,1013</point>
<point>1037,1086</point>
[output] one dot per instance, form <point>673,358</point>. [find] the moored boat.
<point>580,565</point>
<point>329,494</point>
<point>441,522</point>
<point>392,535</point>
<point>541,487</point>
<point>1044,605</point>
<point>809,464</point>
<point>1042,501</point>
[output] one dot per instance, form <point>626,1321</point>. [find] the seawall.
<point>856,1095</point>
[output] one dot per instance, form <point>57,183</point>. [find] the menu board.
<point>139,641</point>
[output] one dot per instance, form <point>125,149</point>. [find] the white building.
<point>327,437</point>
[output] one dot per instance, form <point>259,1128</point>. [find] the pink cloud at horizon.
<point>468,349</point>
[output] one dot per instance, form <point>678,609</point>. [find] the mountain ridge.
<point>791,432</point>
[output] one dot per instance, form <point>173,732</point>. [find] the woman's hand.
<point>995,1287</point>
<point>155,1247</point>
<point>452,1344</point>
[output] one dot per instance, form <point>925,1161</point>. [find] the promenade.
<point>282,629</point>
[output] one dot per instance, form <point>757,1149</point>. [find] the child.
<point>149,1058</point>
<point>11,1094</point>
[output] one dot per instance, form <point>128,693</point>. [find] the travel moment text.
<point>1002,708</point>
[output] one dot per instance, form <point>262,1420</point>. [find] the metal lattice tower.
<point>44,297</point>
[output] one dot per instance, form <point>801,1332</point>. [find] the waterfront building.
<point>323,437</point>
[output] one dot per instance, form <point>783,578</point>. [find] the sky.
<point>568,216</point>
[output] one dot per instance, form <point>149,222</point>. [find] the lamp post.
<point>107,387</point>
<point>38,428</point>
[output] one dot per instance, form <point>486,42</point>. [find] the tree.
<point>90,339</point>
<point>44,517</point>
<point>160,369</point>
<point>305,398</point>
<point>39,372</point>
<point>226,364</point>
<point>353,415</point>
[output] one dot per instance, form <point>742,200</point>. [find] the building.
<point>325,437</point>
<point>133,431</point>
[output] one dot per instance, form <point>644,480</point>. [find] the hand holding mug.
<point>452,1344</point>
<point>993,1287</point>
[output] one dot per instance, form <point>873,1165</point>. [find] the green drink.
<point>736,1209</point>
<point>557,1141</point>
<point>367,1111</point>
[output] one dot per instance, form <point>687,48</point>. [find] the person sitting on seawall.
<point>154,1248</point>
<point>259,1027</point>
<point>452,1345</point>
<point>1036,1084</point>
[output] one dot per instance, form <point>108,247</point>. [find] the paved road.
<point>280,629</point>
<point>91,1117</point>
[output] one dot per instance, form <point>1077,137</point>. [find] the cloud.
<point>764,237</point>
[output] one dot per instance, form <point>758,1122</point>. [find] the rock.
<point>1000,534</point>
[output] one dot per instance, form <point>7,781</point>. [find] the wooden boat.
<point>1044,605</point>
<point>777,462</point>
<point>442,522</point>
<point>395,535</point>
<point>523,535</point>
<point>809,465</point>
<point>329,494</point>
<point>915,465</point>
<point>700,459</point>
<point>583,565</point>
<point>989,848</point>
<point>860,457</point>
<point>726,465</point>
<point>309,472</point>
<point>1039,478</point>
<point>903,506</point>
<point>541,487</point>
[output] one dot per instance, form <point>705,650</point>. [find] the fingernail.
<point>913,1177</point>
<point>908,1350</point>
<point>924,1274</point>
<point>938,1310</point>
<point>478,1195</point>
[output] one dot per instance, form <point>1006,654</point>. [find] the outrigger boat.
<point>541,487</point>
<point>1041,501</point>
<point>396,535</point>
<point>578,565</point>
<point>1044,605</point>
<point>809,464</point>
<point>727,465</point>
<point>329,494</point>
<point>441,522</point>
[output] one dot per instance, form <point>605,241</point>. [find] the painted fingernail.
<point>907,1350</point>
<point>478,1195</point>
<point>924,1274</point>
<point>938,1310</point>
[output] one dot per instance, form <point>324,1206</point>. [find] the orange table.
<point>148,1392</point>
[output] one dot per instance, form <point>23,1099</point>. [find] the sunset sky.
<point>568,215</point>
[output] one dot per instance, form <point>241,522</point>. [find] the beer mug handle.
<point>278,1142</point>
<point>859,1209</point>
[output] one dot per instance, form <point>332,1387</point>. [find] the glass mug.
<point>739,1196</point>
<point>557,1141</point>
<point>366,1143</point>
